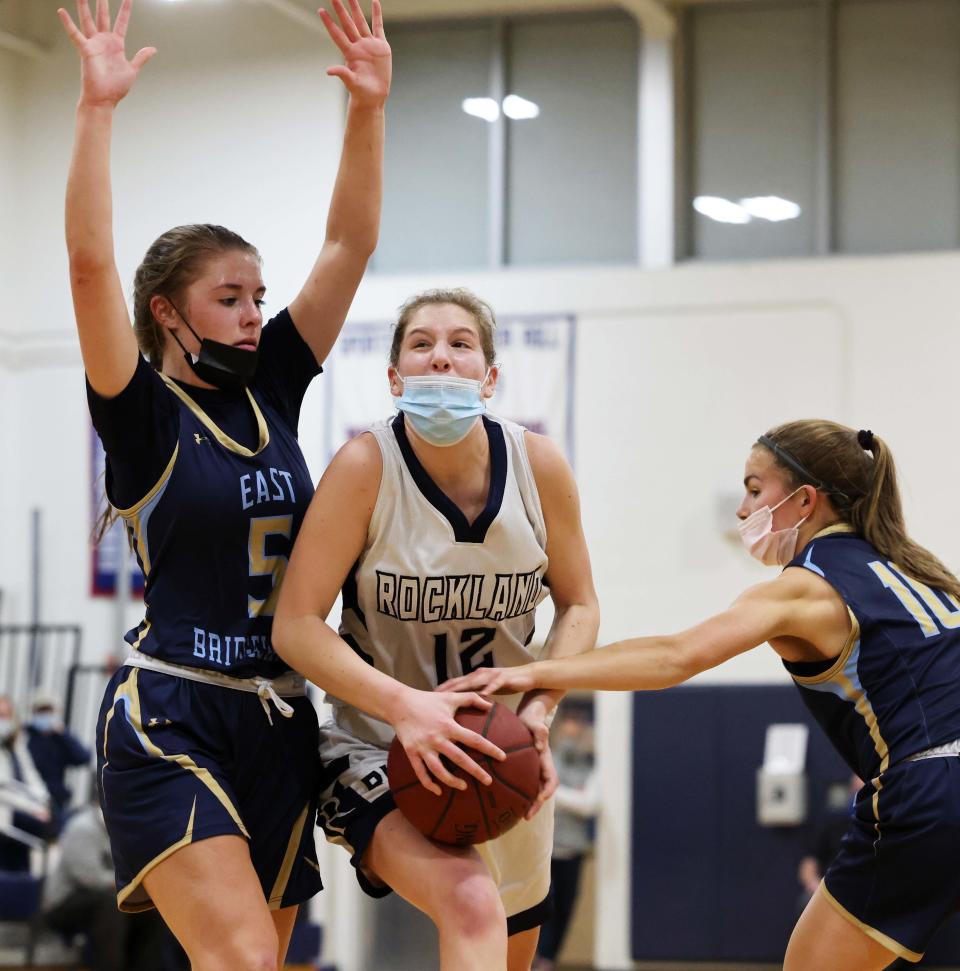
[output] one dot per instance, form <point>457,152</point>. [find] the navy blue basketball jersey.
<point>895,688</point>
<point>213,537</point>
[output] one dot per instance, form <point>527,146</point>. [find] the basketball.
<point>478,813</point>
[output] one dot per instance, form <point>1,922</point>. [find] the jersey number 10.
<point>910,592</point>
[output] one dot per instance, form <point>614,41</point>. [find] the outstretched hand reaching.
<point>367,66</point>
<point>106,74</point>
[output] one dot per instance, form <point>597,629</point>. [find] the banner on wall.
<point>535,387</point>
<point>111,553</point>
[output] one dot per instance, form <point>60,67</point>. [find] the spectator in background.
<point>577,801</point>
<point>54,750</point>
<point>80,897</point>
<point>24,800</point>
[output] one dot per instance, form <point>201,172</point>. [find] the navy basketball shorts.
<point>355,795</point>
<point>896,876</point>
<point>180,761</point>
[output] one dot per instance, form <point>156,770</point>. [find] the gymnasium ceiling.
<point>34,22</point>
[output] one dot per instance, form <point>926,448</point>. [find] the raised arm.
<point>353,221</point>
<point>330,541</point>
<point>796,605</point>
<point>107,342</point>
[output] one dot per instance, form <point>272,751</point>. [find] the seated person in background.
<point>24,800</point>
<point>54,750</point>
<point>80,897</point>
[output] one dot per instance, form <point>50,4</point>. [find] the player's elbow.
<point>584,620</point>
<point>682,660</point>
<point>352,244</point>
<point>283,637</point>
<point>689,657</point>
<point>89,264</point>
<point>591,621</point>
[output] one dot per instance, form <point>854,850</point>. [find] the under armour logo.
<point>200,438</point>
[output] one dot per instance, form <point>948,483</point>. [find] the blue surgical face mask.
<point>441,408</point>
<point>44,721</point>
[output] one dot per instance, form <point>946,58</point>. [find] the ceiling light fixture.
<point>485,108</point>
<point>721,210</point>
<point>520,109</point>
<point>772,208</point>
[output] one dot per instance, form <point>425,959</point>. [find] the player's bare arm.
<point>577,618</point>
<point>577,612</point>
<point>797,613</point>
<point>353,220</point>
<point>107,342</point>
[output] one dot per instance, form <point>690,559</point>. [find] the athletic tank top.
<point>213,538</point>
<point>433,596</point>
<point>895,688</point>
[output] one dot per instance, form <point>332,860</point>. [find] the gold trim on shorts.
<point>289,858</point>
<point>883,939</point>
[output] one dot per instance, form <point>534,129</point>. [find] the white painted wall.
<point>677,370</point>
<point>11,104</point>
<point>10,132</point>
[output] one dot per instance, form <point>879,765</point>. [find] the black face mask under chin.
<point>222,365</point>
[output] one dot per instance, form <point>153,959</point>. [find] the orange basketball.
<point>478,813</point>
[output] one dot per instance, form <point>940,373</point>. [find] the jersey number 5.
<point>472,656</point>
<point>263,564</point>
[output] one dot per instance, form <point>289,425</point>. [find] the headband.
<point>785,458</point>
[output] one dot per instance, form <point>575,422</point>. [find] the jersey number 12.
<point>473,655</point>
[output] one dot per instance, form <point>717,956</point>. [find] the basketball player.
<point>868,625</point>
<point>207,774</point>
<point>444,527</point>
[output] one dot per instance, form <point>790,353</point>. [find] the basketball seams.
<point>407,785</point>
<point>509,785</point>
<point>491,714</point>
<point>483,809</point>
<point>517,748</point>
<point>443,812</point>
<point>477,813</point>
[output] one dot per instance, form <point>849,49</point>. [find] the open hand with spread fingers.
<point>367,62</point>
<point>433,739</point>
<point>106,74</point>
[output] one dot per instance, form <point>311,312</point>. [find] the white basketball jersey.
<point>433,596</point>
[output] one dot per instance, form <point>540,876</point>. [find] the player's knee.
<point>240,953</point>
<point>473,908</point>
<point>247,961</point>
<point>264,961</point>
